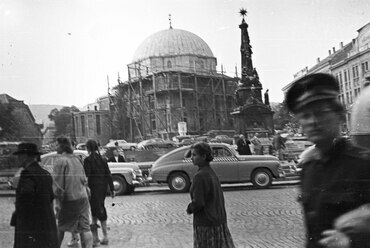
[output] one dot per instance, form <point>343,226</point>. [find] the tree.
<point>63,121</point>
<point>284,119</point>
<point>9,127</point>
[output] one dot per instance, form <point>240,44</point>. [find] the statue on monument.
<point>267,100</point>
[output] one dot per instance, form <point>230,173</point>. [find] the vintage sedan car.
<point>122,143</point>
<point>177,170</point>
<point>155,143</point>
<point>223,139</point>
<point>126,176</point>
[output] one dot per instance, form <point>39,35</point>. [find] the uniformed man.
<point>336,174</point>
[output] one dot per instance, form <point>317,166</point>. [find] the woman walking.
<point>207,203</point>
<point>99,178</point>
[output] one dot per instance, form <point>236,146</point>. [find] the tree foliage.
<point>284,119</point>
<point>63,120</point>
<point>9,127</point>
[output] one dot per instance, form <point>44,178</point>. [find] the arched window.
<point>169,64</point>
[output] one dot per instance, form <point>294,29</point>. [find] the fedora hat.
<point>28,148</point>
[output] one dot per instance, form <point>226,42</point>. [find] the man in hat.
<point>33,218</point>
<point>336,175</point>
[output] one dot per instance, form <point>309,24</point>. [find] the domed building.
<point>173,83</point>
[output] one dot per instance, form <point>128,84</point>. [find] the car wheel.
<point>132,148</point>
<point>261,178</point>
<point>179,182</point>
<point>169,146</point>
<point>120,185</point>
<point>150,147</point>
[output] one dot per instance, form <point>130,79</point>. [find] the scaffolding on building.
<point>156,101</point>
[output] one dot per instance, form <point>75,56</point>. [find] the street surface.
<point>256,218</point>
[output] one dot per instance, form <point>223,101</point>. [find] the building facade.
<point>173,79</point>
<point>350,65</point>
<point>92,125</point>
<point>20,122</point>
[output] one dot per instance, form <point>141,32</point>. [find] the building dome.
<point>172,42</point>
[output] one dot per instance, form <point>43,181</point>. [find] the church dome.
<point>172,42</point>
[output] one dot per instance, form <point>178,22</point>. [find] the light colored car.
<point>223,139</point>
<point>126,176</point>
<point>122,143</point>
<point>155,143</point>
<point>177,170</point>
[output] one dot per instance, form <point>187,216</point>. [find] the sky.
<point>64,52</point>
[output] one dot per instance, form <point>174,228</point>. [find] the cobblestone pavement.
<point>256,219</point>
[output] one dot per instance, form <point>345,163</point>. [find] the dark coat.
<point>99,178</point>
<point>35,224</point>
<point>120,159</point>
<point>331,186</point>
<point>207,199</point>
<point>243,147</point>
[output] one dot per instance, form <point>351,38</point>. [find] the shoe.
<point>73,243</point>
<point>96,244</point>
<point>104,242</point>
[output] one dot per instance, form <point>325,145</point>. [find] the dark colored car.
<point>177,170</point>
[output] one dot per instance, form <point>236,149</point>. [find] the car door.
<point>224,164</point>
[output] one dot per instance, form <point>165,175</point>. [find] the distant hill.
<point>41,111</point>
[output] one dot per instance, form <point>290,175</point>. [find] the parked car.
<point>156,143</point>
<point>177,170</point>
<point>123,144</point>
<point>186,142</point>
<point>223,139</point>
<point>81,146</point>
<point>126,176</point>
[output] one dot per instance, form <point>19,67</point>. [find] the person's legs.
<point>86,239</point>
<point>94,231</point>
<point>105,232</point>
<point>74,240</point>
<point>60,237</point>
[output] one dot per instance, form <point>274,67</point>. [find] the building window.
<point>83,125</point>
<point>169,64</point>
<point>355,75</point>
<point>364,67</point>
<point>98,126</point>
<point>201,64</point>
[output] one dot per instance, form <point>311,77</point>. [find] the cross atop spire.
<point>170,20</point>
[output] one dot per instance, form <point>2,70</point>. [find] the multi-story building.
<point>172,80</point>
<point>21,125</point>
<point>350,65</point>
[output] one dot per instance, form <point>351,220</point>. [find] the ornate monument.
<point>251,114</point>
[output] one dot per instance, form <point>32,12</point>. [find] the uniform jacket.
<point>35,224</point>
<point>332,185</point>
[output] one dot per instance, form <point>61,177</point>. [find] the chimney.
<point>333,50</point>
<point>329,52</point>
<point>318,60</point>
<point>341,44</point>
<point>353,41</point>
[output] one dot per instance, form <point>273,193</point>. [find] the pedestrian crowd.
<point>334,190</point>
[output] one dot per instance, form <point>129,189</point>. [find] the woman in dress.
<point>99,178</point>
<point>207,203</point>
